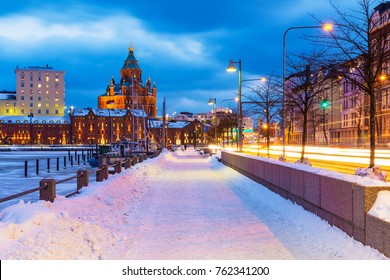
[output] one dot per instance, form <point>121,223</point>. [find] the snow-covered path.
<point>178,206</point>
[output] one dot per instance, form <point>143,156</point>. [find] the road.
<point>335,159</point>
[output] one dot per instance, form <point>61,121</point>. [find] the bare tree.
<point>361,42</point>
<point>265,99</point>
<point>303,86</point>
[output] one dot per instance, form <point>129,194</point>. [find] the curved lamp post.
<point>327,27</point>
<point>213,101</point>
<point>232,68</point>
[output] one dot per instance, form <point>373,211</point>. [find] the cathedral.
<point>130,92</point>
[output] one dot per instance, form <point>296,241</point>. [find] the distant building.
<point>179,132</point>
<point>39,91</point>
<point>7,102</point>
<point>130,92</point>
<point>35,130</point>
<point>103,126</point>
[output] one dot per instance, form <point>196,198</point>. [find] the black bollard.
<point>64,162</point>
<point>48,165</point>
<point>71,160</point>
<point>37,167</point>
<point>58,163</point>
<point>25,168</point>
<point>69,154</point>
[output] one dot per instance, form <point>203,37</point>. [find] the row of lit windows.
<point>39,98</point>
<point>39,91</point>
<point>47,77</point>
<point>22,84</point>
<point>35,121</point>
<point>39,111</point>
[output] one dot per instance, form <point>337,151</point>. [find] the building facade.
<point>22,130</point>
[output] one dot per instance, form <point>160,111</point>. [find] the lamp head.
<point>327,27</point>
<point>211,101</point>
<point>231,67</point>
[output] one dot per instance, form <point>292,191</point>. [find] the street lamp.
<point>327,27</point>
<point>110,102</point>
<point>232,68</point>
<point>213,101</point>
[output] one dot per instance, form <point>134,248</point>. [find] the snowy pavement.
<point>180,205</point>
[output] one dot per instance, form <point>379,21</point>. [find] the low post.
<point>102,173</point>
<point>37,167</point>
<point>78,159</point>
<point>82,178</point>
<point>48,191</point>
<point>128,163</point>
<point>134,160</point>
<point>118,167</point>
<point>71,161</point>
<point>64,162</point>
<point>69,154</point>
<point>25,168</point>
<point>58,163</point>
<point>48,165</point>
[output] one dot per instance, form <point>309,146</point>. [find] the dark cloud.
<point>183,46</point>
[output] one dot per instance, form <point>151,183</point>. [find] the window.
<point>31,104</point>
<point>47,105</point>
<point>7,111</point>
<point>31,85</point>
<point>56,105</point>
<point>22,98</point>
<point>22,111</point>
<point>39,111</point>
<point>39,98</point>
<point>31,78</point>
<point>22,84</point>
<point>56,112</point>
<point>7,104</point>
<point>39,105</point>
<point>22,91</point>
<point>31,91</point>
<point>39,85</point>
<point>31,98</point>
<point>47,78</point>
<point>47,111</point>
<point>22,104</point>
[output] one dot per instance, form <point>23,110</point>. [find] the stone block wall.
<point>342,203</point>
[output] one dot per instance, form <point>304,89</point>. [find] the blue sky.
<point>183,46</point>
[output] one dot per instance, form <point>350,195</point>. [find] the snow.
<point>180,205</point>
<point>381,207</point>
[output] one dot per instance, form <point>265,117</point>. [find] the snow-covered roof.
<point>159,124</point>
<point>37,119</point>
<point>81,112</point>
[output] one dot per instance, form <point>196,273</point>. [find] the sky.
<point>184,47</point>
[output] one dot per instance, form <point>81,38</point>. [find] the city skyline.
<point>185,50</point>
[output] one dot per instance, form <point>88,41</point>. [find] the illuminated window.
<point>22,91</point>
<point>47,86</point>
<point>47,92</point>
<point>31,91</point>
<point>39,85</point>
<point>47,98</point>
<point>39,105</point>
<point>22,104</point>
<point>56,105</point>
<point>39,91</point>
<point>56,79</point>
<point>7,104</point>
<point>47,78</point>
<point>56,99</point>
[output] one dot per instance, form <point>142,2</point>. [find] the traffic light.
<point>324,103</point>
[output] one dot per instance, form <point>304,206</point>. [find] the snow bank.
<point>381,207</point>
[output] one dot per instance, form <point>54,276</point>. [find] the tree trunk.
<point>304,135</point>
<point>372,128</point>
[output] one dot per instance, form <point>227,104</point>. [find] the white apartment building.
<point>40,91</point>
